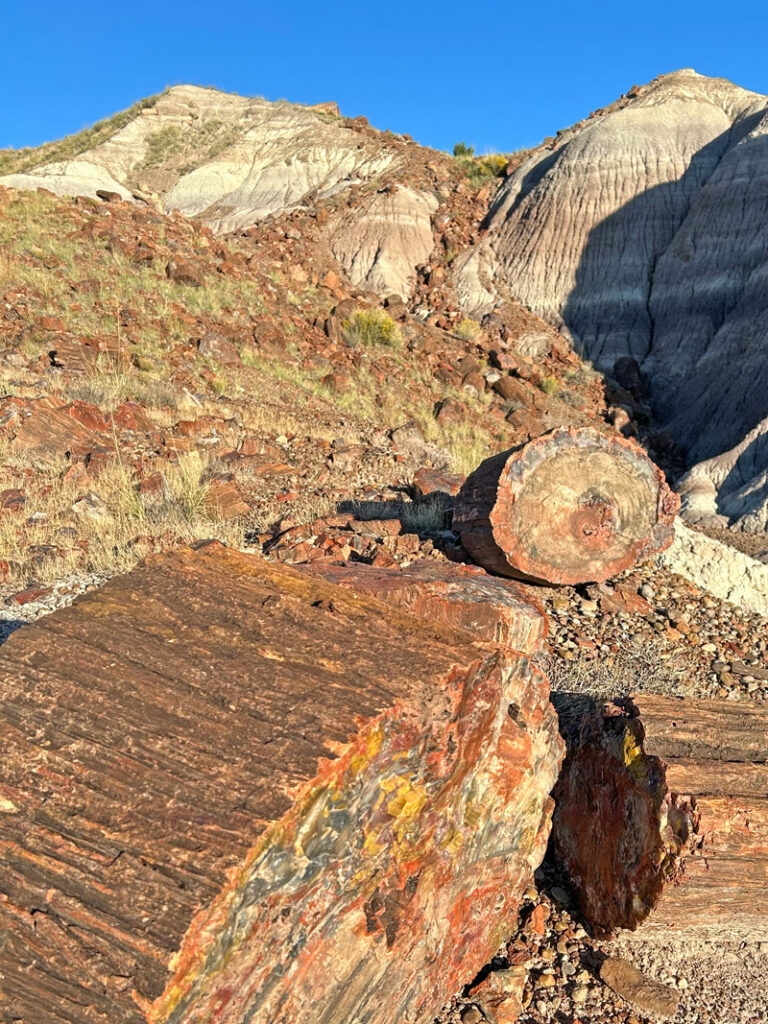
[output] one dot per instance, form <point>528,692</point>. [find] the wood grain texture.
<point>164,733</point>
<point>662,815</point>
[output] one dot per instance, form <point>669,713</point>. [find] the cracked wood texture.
<point>494,610</point>
<point>661,817</point>
<point>233,792</point>
<point>572,506</point>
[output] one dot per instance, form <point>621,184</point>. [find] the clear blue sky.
<point>499,75</point>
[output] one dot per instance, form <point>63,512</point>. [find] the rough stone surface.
<point>641,232</point>
<point>494,610</point>
<point>717,568</point>
<point>637,988</point>
<point>570,507</point>
<point>249,157</point>
<point>215,745</point>
<point>661,819</point>
<point>381,245</point>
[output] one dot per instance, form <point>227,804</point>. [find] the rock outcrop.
<point>380,246</point>
<point>230,161</point>
<point>641,233</point>
<point>717,568</point>
<point>214,748</point>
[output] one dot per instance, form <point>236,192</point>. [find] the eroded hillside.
<point>640,233</point>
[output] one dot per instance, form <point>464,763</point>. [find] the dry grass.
<point>641,666</point>
<point>104,526</point>
<point>424,517</point>
<point>16,161</point>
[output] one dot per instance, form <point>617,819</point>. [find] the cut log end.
<point>572,506</point>
<point>661,818</point>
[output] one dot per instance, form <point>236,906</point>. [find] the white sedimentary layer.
<point>717,568</point>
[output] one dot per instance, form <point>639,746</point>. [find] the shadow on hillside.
<point>608,312</point>
<point>8,626</point>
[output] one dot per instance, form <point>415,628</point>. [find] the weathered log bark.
<point>230,791</point>
<point>572,506</point>
<point>661,816</point>
<point>499,611</point>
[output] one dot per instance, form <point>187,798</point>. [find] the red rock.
<point>493,609</point>
<point>625,599</point>
<point>218,348</point>
<point>330,280</point>
<point>182,272</point>
<point>538,919</point>
<point>12,499</point>
<point>30,595</point>
<point>223,499</point>
<point>51,323</point>
<point>428,481</point>
<point>377,527</point>
<point>190,777</point>
<point>450,412</point>
<point>511,390</point>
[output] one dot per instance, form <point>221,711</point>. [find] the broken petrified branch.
<point>572,506</point>
<point>230,790</point>
<point>661,816</point>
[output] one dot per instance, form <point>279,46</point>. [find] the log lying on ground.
<point>661,817</point>
<point>572,506</point>
<point>230,791</point>
<point>493,610</point>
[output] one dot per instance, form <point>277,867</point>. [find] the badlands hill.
<point>222,318</point>
<point>230,161</point>
<point>641,232</point>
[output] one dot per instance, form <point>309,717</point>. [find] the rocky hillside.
<point>230,161</point>
<point>640,232</point>
<point>271,325</point>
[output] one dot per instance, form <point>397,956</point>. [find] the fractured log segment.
<point>661,819</point>
<point>572,506</point>
<point>230,791</point>
<point>500,611</point>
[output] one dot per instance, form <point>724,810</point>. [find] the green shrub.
<point>482,168</point>
<point>549,385</point>
<point>371,327</point>
<point>467,329</point>
<point>462,149</point>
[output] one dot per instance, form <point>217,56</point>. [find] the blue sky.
<point>498,75</point>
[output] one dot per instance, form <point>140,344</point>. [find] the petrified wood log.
<point>661,816</point>
<point>230,791</point>
<point>496,610</point>
<point>572,506</point>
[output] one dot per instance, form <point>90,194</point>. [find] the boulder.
<point>229,788</point>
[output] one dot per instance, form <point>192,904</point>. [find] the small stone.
<point>580,994</point>
<point>631,984</point>
<point>471,1015</point>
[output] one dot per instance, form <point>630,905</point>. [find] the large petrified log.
<point>492,609</point>
<point>572,506</point>
<point>661,815</point>
<point>234,792</point>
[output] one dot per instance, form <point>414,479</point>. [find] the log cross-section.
<point>661,819</point>
<point>572,506</point>
<point>231,792</point>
